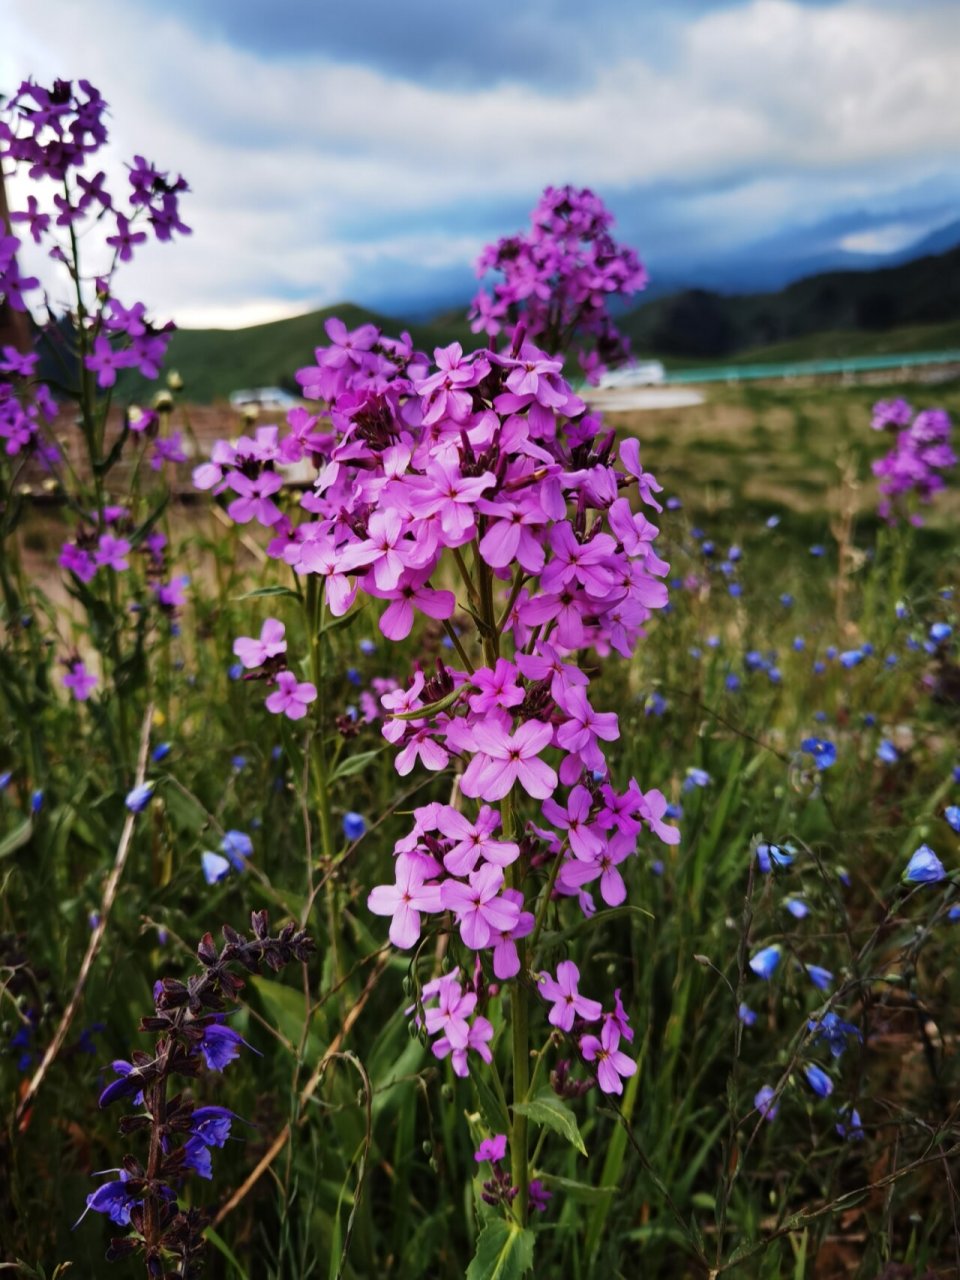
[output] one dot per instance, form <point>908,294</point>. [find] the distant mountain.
<point>687,324</point>
<point>700,323</point>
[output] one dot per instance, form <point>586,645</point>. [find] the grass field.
<point>683,1176</point>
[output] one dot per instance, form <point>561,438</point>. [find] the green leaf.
<point>490,1104</point>
<point>285,1009</point>
<point>581,1191</point>
<point>262,592</point>
<point>354,764</point>
<point>547,1109</point>
<point>16,838</point>
<point>504,1252</point>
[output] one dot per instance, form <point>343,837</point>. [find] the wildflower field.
<point>452,832</point>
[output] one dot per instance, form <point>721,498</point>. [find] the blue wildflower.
<point>238,763</point>
<point>771,855</point>
<point>834,1031</point>
<point>368,647</point>
<point>746,1014</point>
<point>819,1081</point>
<point>820,977</point>
<point>115,1199</point>
<point>823,751</point>
<point>924,867</point>
<point>766,1103</point>
<point>160,752</point>
<point>852,1128</point>
<point>772,521</point>
<point>214,867</point>
<point>952,815</point>
<point>695,778</point>
<point>852,657</point>
<point>735,589</point>
<point>797,908</point>
<point>817,550</point>
<point>673,811</point>
<point>196,1156</point>
<point>212,1125</point>
<point>695,653</point>
<point>655,704</point>
<point>799,643</point>
<point>819,668</point>
<point>138,799</point>
<point>36,801</point>
<point>235,670</point>
<point>887,752</point>
<point>220,1045</point>
<point>786,599</point>
<point>901,610</point>
<point>940,631</point>
<point>673,504</point>
<point>236,845</point>
<point>831,652</point>
<point>354,676</point>
<point>765,961</point>
<point>5,779</point>
<point>820,717</point>
<point>354,825</point>
<point>732,682</point>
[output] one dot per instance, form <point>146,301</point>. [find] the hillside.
<point>700,324</point>
<point>214,362</point>
<point>911,307</point>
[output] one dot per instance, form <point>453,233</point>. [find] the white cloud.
<point>280,154</point>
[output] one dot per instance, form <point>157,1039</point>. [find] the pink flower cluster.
<point>25,405</point>
<point>488,458</point>
<point>557,279</point>
<point>915,463</point>
<point>55,131</point>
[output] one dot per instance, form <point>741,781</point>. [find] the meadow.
<point>239,734</point>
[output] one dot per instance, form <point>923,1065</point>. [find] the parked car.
<point>642,373</point>
<point>269,398</point>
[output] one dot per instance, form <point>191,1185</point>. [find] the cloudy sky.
<point>367,149</point>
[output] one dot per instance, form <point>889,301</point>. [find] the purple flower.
<point>612,1064</point>
<point>493,1149</point>
<point>115,1199</point>
<point>567,1002</point>
<point>481,910</point>
<point>292,697</point>
<point>254,653</point>
<point>405,900</point>
<point>79,680</point>
<point>220,1045</point>
<point>212,1125</point>
<point>540,1197</point>
<point>503,759</point>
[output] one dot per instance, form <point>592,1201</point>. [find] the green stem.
<point>314,608</point>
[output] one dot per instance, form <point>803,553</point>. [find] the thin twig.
<point>309,1089</point>
<point>96,937</point>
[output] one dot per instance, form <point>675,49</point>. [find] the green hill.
<point>698,324</point>
<point>914,307</point>
<point>215,362</point>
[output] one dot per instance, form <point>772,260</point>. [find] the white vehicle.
<point>269,398</point>
<point>643,373</point>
